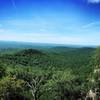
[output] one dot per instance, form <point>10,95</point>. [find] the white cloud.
<point>93,1</point>
<point>43,38</point>
<point>94,26</point>
<point>47,38</point>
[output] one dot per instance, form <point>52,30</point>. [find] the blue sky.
<point>51,21</point>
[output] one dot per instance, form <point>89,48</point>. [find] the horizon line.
<point>50,43</point>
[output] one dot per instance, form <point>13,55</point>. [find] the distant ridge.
<point>14,44</point>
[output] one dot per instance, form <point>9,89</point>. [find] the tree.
<point>96,58</point>
<point>12,89</point>
<point>2,70</point>
<point>94,81</point>
<point>35,86</point>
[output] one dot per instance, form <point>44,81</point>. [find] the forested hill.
<point>60,57</point>
<point>66,49</point>
<point>52,72</point>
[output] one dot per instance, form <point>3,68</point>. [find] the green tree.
<point>12,89</point>
<point>94,80</point>
<point>2,70</point>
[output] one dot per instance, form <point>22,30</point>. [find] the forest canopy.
<point>49,74</point>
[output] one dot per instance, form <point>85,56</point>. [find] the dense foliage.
<point>49,74</point>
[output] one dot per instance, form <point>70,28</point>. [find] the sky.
<point>51,21</point>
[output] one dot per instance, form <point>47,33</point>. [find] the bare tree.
<point>35,85</point>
